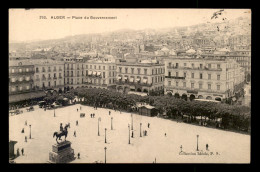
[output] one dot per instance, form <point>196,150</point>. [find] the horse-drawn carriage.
<point>82,115</point>
<point>30,109</point>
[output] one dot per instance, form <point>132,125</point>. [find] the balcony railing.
<point>60,77</point>
<point>44,79</point>
<point>22,73</point>
<point>20,82</point>
<point>55,78</point>
<point>49,78</point>
<point>175,77</point>
<point>133,83</point>
<point>94,76</point>
<point>195,68</point>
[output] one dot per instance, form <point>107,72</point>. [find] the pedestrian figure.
<point>25,138</point>
<point>132,134</point>
<point>93,115</point>
<point>61,128</point>
<point>207,147</point>
<point>22,130</point>
<point>78,155</point>
<point>77,110</point>
<point>18,153</point>
<point>22,151</point>
<point>77,123</point>
<point>26,122</point>
<point>165,134</point>
<point>74,134</point>
<point>109,112</point>
<point>148,125</point>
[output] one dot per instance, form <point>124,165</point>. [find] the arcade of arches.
<point>192,96</point>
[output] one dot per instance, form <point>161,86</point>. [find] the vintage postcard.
<point>129,85</point>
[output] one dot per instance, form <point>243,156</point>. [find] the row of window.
<point>193,75</point>
<point>139,79</point>
<point>99,67</point>
<point>98,81</point>
<point>49,76</point>
<point>71,81</point>
<point>192,65</point>
<point>192,85</point>
<point>21,88</point>
<point>154,71</point>
<point>49,69</point>
<point>49,84</point>
<point>21,70</point>
<point>20,79</point>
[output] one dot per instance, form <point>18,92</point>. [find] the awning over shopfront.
<point>131,79</point>
<point>119,77</point>
<point>125,78</point>
<point>144,80</point>
<point>137,79</point>
<point>90,73</point>
<point>132,87</point>
<point>94,73</point>
<point>98,73</point>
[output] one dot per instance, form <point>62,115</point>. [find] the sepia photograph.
<point>111,86</point>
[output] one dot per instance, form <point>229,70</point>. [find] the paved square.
<point>231,147</point>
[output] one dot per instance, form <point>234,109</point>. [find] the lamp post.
<point>111,123</point>
<point>129,133</point>
<point>140,129</point>
<point>105,155</point>
<point>105,135</point>
<point>197,142</point>
<point>99,119</point>
<point>30,132</point>
<point>132,122</point>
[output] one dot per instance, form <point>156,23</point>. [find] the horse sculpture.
<point>61,133</point>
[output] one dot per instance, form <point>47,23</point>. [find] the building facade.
<point>243,58</point>
<point>203,78</point>
<point>73,73</point>
<point>141,76</point>
<point>100,74</point>
<point>49,76</point>
<point>21,74</point>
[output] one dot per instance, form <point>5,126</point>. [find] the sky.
<point>26,25</point>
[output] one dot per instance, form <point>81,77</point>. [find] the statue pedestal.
<point>61,153</point>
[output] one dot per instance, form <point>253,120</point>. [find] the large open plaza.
<point>223,146</point>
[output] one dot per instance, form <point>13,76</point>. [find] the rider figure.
<point>61,128</point>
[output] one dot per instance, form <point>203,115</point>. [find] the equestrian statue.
<point>62,132</point>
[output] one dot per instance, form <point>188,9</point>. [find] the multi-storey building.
<point>243,58</point>
<point>203,78</point>
<point>100,74</point>
<point>142,76</point>
<point>20,80</point>
<point>73,73</point>
<point>49,75</point>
